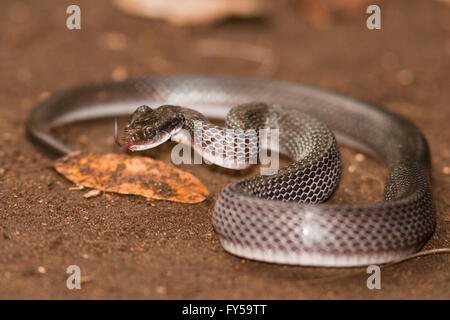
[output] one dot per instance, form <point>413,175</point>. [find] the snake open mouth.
<point>140,145</point>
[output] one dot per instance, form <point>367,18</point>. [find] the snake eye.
<point>148,132</point>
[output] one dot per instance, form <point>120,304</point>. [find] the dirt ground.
<point>128,247</point>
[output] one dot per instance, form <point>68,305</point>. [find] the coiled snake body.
<point>275,218</point>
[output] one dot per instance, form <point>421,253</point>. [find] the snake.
<point>281,217</point>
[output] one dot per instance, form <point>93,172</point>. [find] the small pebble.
<point>161,290</point>
<point>119,73</point>
<point>83,139</point>
<point>93,193</point>
<point>42,270</point>
<point>359,157</point>
<point>44,95</point>
<point>207,235</point>
<point>114,41</point>
<point>446,170</point>
<point>351,169</point>
<point>7,137</point>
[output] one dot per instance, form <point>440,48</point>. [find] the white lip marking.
<point>141,147</point>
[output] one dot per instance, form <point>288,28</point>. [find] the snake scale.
<point>275,218</point>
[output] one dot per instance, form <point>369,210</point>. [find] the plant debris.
<point>125,174</point>
<point>193,12</point>
<point>92,193</point>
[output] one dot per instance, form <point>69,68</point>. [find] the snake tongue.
<point>123,146</point>
<point>126,146</point>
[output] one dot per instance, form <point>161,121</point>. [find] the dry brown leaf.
<point>125,174</point>
<point>193,12</point>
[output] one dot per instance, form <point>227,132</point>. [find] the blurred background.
<point>171,251</point>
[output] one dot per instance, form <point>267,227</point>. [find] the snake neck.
<point>235,146</point>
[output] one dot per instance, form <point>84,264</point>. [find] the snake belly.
<point>250,216</point>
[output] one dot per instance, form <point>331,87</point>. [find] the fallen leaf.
<point>125,174</point>
<point>194,12</point>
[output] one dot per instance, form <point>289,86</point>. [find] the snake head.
<point>148,128</point>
